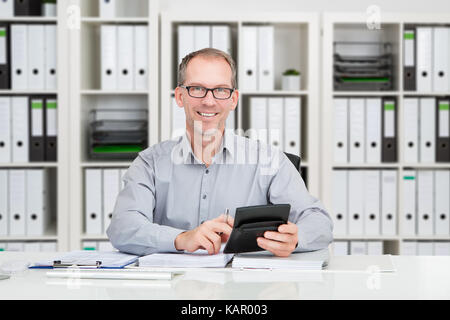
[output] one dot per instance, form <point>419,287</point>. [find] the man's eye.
<point>197,88</point>
<point>220,90</point>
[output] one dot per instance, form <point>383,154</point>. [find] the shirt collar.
<point>188,155</point>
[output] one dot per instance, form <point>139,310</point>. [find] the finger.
<point>225,219</point>
<point>277,236</point>
<point>217,226</point>
<point>278,248</point>
<point>206,244</point>
<point>215,240</point>
<point>290,228</point>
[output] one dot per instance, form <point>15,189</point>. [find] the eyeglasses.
<point>201,92</point>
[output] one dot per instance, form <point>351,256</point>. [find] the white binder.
<point>36,57</point>
<point>258,119</point>
<point>140,57</point>
<point>411,130</point>
<point>424,45</point>
<point>373,130</point>
<point>266,80</point>
<point>275,119</point>
<point>442,202</point>
<point>427,148</point>
<point>107,8</point>
<point>374,248</point>
<point>108,53</point>
<point>125,57</point>
<point>17,202</point>
<point>340,248</point>
<point>340,130</point>
<point>178,120</point>
<point>31,247</point>
<point>292,125</point>
<point>425,248</point>
<point>5,129</point>
<point>19,57</point>
<point>4,211</point>
<point>409,212</point>
<point>425,202</point>
<point>50,57</point>
<point>357,130</point>
<point>49,246</point>
<point>355,202</point>
<point>388,202</point>
<point>20,130</point>
<point>408,248</point>
<point>93,197</point>
<point>358,248</point>
<point>221,38</point>
<point>372,192</point>
<point>441,248</point>
<point>249,58</point>
<point>7,8</point>
<point>185,41</point>
<point>340,202</point>
<point>201,37</point>
<point>441,61</point>
<point>111,187</point>
<point>36,209</point>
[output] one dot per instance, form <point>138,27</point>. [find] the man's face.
<point>206,115</point>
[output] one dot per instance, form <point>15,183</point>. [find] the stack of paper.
<point>197,259</point>
<point>314,260</point>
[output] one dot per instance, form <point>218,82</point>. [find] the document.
<point>441,61</point>
<point>425,202</point>
<point>20,129</point>
<point>37,134</point>
<point>292,125</point>
<point>125,57</point>
<point>389,144</point>
<point>185,41</point>
<point>409,59</point>
<point>389,202</point>
<point>373,130</point>
<point>50,51</point>
<point>93,198</point>
<point>356,186</point>
<point>19,57</point>
<point>409,214</point>
<point>140,57</point>
<point>221,38</point>
<point>313,260</point>
<point>358,248</point>
<point>411,130</point>
<point>197,259</point>
<point>86,258</point>
<point>37,210</point>
<point>51,129</point>
<point>258,119</point>
<point>108,60</point>
<point>424,47</point>
<point>340,130</point>
<point>357,130</point>
<point>7,8</point>
<point>442,202</point>
<point>266,79</point>
<point>250,58</point>
<point>17,202</point>
<point>4,195</point>
<point>443,130</point>
<point>340,202</point>
<point>275,119</point>
<point>5,129</point>
<point>36,57</point>
<point>201,37</point>
<point>372,192</point>
<point>107,8</point>
<point>427,134</point>
<point>4,55</point>
<point>111,188</point>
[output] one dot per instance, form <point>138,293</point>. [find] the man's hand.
<point>209,235</point>
<point>280,243</point>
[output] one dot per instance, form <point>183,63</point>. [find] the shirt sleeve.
<point>132,229</point>
<point>315,227</point>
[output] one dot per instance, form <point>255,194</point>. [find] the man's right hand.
<point>209,235</point>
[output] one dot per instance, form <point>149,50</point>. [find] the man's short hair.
<point>206,52</point>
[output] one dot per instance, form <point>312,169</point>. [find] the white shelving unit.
<point>392,26</point>
<point>59,184</point>
<point>296,45</point>
<point>86,95</point>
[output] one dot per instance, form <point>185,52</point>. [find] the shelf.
<point>28,92</point>
<point>29,19</point>
<point>275,92</point>
<point>366,238</point>
<point>29,165</point>
<point>86,237</point>
<point>430,238</point>
<point>427,165</point>
<point>111,92</point>
<point>93,164</point>
<point>427,94</point>
<point>98,20</point>
<point>365,93</point>
<point>366,165</point>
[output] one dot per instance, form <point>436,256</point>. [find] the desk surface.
<point>415,278</point>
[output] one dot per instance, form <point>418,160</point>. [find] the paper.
<point>314,260</point>
<point>108,259</point>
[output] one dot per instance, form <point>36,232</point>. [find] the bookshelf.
<point>87,95</point>
<point>352,27</point>
<point>57,171</point>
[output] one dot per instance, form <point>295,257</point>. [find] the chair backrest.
<point>296,160</point>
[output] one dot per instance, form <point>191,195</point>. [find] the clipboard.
<point>251,222</point>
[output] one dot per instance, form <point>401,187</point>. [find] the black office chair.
<point>296,160</point>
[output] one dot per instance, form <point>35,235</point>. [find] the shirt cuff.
<point>167,237</point>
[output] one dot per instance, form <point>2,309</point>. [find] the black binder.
<point>409,59</point>
<point>27,7</point>
<point>251,223</point>
<point>37,128</point>
<point>5,80</point>
<point>442,131</point>
<point>389,130</point>
<point>51,125</point>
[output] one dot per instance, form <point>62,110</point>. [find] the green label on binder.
<point>443,106</point>
<point>389,106</point>
<point>51,105</point>
<point>408,36</point>
<point>409,178</point>
<point>36,105</point>
<point>89,248</point>
<point>2,32</point>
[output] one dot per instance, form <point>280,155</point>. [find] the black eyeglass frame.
<point>231,90</point>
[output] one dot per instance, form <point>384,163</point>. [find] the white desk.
<point>415,278</point>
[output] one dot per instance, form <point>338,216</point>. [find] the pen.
<point>227,212</point>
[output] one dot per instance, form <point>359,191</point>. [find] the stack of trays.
<point>117,134</point>
<point>360,67</point>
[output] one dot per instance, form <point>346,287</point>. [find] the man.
<point>177,191</point>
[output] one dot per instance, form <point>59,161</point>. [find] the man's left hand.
<point>280,243</point>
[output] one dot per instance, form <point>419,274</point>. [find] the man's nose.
<point>209,98</point>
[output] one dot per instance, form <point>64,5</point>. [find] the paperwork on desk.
<point>197,259</point>
<point>314,260</point>
<point>89,259</point>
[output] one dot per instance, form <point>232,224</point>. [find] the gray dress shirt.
<point>168,191</point>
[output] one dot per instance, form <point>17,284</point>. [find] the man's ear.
<point>235,98</point>
<point>178,96</point>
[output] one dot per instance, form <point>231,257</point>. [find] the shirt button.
<point>207,171</point>
<point>204,196</point>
